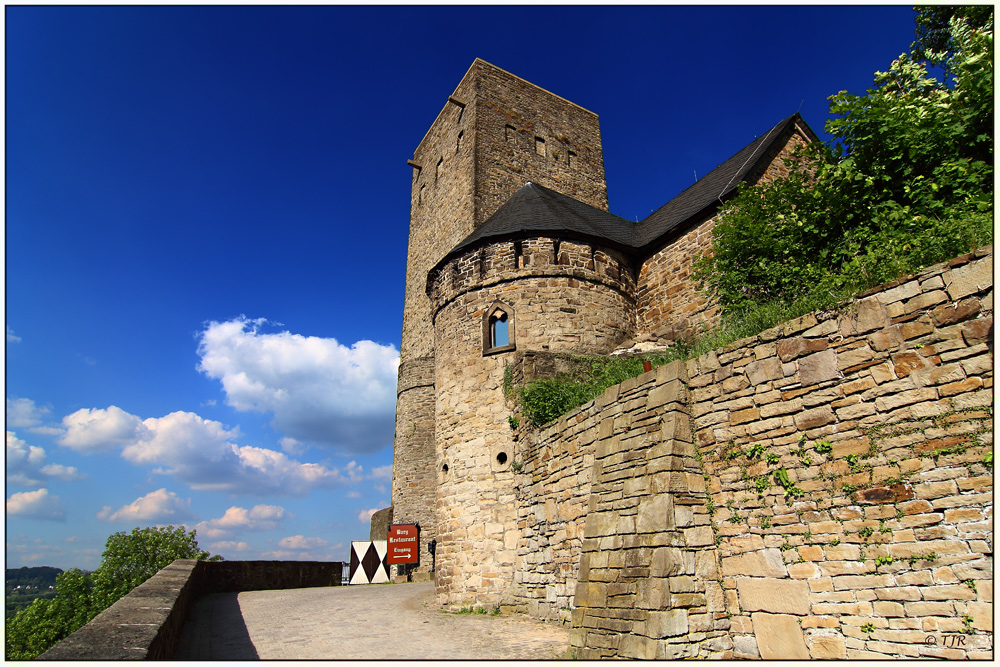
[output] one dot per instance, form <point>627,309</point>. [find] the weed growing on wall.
<point>546,399</point>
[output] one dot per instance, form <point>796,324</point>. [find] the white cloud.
<point>217,547</point>
<point>65,473</point>
<point>366,515</point>
<point>200,453</point>
<point>97,430</point>
<point>22,412</point>
<point>382,472</point>
<point>259,517</point>
<point>11,336</point>
<point>318,390</point>
<point>157,506</point>
<point>302,542</point>
<point>292,446</point>
<point>36,505</point>
<point>26,465</point>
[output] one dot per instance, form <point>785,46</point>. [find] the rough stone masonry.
<point>820,490</point>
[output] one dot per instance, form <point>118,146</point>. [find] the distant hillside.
<point>24,585</point>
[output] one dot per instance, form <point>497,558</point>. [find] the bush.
<point>908,182</point>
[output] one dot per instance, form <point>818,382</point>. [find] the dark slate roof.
<point>536,210</point>
<point>716,186</point>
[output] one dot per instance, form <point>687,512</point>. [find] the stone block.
<point>671,392</point>
<point>666,562</point>
<point>982,615</point>
<point>977,331</point>
<point>779,596</point>
<point>905,291</point>
<point>763,371</point>
<point>745,646</point>
<point>676,427</point>
<point>765,563</point>
<point>867,315</point>
<point>826,647</point>
<point>818,367</point>
<point>972,278</point>
<point>671,623</point>
<point>655,514</point>
<point>634,646</point>
<point>699,536</point>
<point>779,637</point>
<point>814,418</point>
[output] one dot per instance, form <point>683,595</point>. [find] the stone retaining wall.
<point>821,490</point>
<point>146,624</point>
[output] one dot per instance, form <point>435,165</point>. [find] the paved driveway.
<point>375,622</point>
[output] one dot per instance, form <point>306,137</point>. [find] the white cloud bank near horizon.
<point>318,390</point>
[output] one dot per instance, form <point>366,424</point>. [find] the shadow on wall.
<point>215,630</point>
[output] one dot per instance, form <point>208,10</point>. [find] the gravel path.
<point>375,622</point>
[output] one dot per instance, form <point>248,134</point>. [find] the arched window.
<point>499,333</point>
<point>498,329</point>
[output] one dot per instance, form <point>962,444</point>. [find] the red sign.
<point>404,544</point>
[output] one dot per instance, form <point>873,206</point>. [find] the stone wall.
<point>146,624</point>
<point>821,490</point>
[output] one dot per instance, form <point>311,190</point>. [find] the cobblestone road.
<point>380,622</point>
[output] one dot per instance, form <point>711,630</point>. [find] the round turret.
<point>491,303</point>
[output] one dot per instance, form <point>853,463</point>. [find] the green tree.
<point>933,26</point>
<point>128,560</point>
<point>907,182</point>
<point>46,622</point>
<point>131,558</point>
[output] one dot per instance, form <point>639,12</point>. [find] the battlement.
<point>532,257</point>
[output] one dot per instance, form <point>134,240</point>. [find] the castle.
<point>510,231</point>
<point>613,516</point>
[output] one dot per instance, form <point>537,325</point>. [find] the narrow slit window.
<point>509,132</point>
<point>437,169</point>
<point>458,142</point>
<point>540,146</point>
<point>571,158</point>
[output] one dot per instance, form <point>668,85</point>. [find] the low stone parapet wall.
<point>146,624</point>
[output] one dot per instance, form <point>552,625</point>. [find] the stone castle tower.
<point>495,133</point>
<point>513,260</point>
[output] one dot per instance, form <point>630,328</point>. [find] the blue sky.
<point>206,227</point>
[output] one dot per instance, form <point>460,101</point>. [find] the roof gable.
<point>710,191</point>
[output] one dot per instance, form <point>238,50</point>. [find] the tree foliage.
<point>128,560</point>
<point>907,182</point>
<point>131,558</point>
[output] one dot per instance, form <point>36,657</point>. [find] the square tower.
<point>495,133</point>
